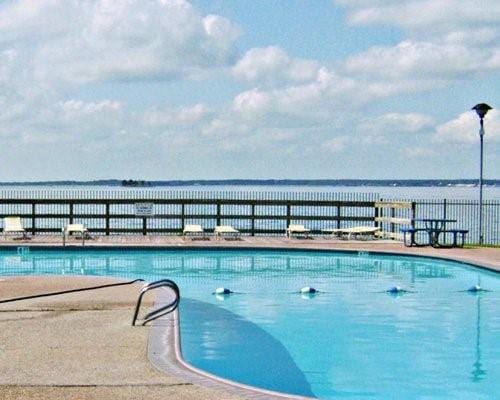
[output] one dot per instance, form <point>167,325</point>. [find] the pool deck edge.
<point>484,257</point>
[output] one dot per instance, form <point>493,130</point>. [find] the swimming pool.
<point>350,340</point>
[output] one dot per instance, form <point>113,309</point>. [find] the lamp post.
<point>481,110</point>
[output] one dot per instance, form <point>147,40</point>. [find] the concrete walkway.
<point>80,346</point>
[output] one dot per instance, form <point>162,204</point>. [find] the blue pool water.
<point>352,340</point>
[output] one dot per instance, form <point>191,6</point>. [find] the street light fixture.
<point>481,110</point>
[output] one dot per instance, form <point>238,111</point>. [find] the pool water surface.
<point>351,340</point>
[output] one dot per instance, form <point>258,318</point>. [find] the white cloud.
<point>396,123</point>
<point>177,117</point>
<point>465,128</point>
<point>424,16</point>
<point>336,144</point>
<point>273,64</point>
<point>327,101</point>
<point>446,40</point>
<point>73,122</point>
<point>80,41</point>
<point>293,106</point>
<point>419,152</point>
<point>72,107</point>
<point>422,61</point>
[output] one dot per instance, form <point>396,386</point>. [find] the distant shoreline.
<point>272,182</point>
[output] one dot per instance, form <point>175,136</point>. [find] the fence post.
<point>144,226</point>
<point>338,216</point>
<point>183,213</point>
<point>413,213</point>
<point>217,217</point>
<point>377,223</point>
<point>71,212</point>
<point>253,221</point>
<point>288,214</point>
<point>107,219</point>
<point>381,214</point>
<point>33,218</point>
<point>444,214</point>
<point>393,225</point>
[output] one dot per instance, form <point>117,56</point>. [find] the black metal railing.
<point>111,212</point>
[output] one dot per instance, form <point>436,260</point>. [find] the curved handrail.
<point>155,314</point>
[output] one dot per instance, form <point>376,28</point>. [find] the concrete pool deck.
<point>82,346</point>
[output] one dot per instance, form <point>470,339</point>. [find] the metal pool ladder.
<point>155,314</point>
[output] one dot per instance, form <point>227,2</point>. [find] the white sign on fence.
<point>144,209</point>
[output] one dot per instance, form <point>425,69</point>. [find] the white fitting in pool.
<point>222,290</point>
<point>475,288</point>
<point>395,289</point>
<point>308,289</point>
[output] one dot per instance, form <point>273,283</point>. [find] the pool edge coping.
<point>254,246</point>
<point>165,354</point>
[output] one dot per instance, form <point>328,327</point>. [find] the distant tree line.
<point>133,182</point>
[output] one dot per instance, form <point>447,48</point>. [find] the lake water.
<point>447,192</point>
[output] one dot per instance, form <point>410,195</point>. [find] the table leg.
<point>434,237</point>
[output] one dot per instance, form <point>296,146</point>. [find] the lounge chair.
<point>361,231</point>
<point>14,225</point>
<point>349,233</point>
<point>222,230</point>
<point>75,228</point>
<point>332,232</point>
<point>193,229</point>
<point>298,229</point>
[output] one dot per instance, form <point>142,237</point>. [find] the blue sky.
<point>213,89</point>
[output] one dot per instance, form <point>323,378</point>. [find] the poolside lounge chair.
<point>75,228</point>
<point>222,230</point>
<point>361,232</point>
<point>332,232</point>
<point>193,229</point>
<point>297,229</point>
<point>349,233</point>
<point>14,225</point>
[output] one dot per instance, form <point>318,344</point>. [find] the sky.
<point>218,89</point>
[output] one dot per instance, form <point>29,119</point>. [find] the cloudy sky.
<point>208,89</point>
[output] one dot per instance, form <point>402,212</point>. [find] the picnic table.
<point>434,227</point>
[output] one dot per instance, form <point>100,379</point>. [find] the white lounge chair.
<point>361,231</point>
<point>332,232</point>
<point>75,228</point>
<point>14,225</point>
<point>222,230</point>
<point>193,229</point>
<point>349,233</point>
<point>297,229</point>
